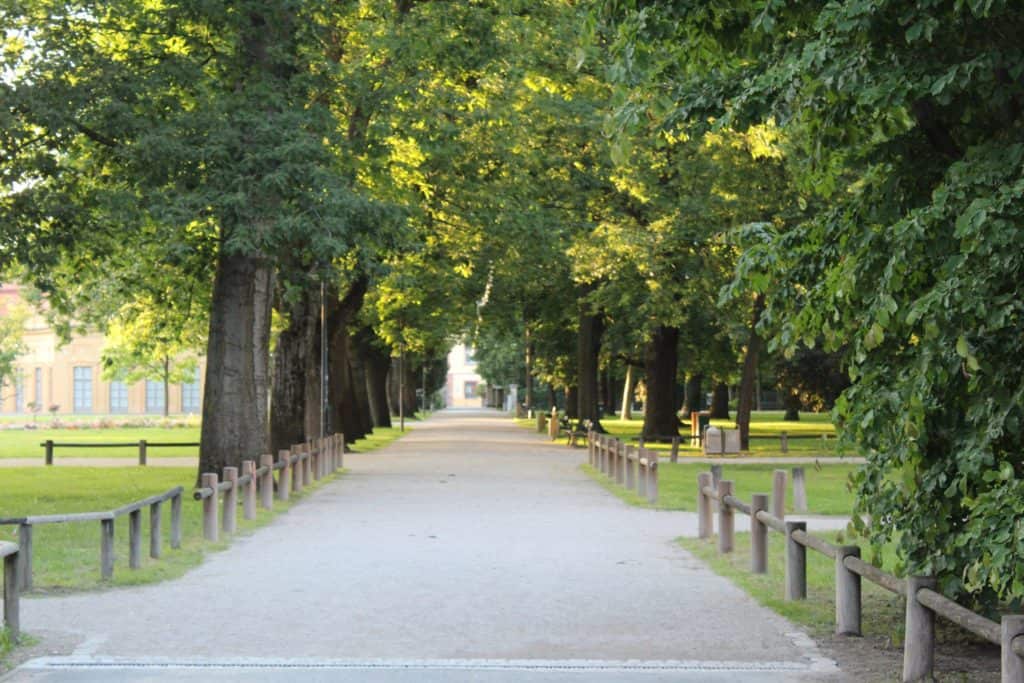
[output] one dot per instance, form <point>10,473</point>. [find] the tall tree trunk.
<point>230,429</point>
<point>360,397</point>
<point>295,352</point>
<point>342,413</point>
<point>263,294</point>
<point>609,390</point>
<point>552,397</point>
<point>694,400</point>
<point>572,402</point>
<point>378,363</point>
<point>627,393</point>
<point>528,387</point>
<point>720,401</point>
<point>587,350</point>
<point>660,364</point>
<point>750,360</point>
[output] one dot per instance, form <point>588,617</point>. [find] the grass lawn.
<point>765,427</point>
<point>882,611</point>
<point>827,492</point>
<point>66,556</point>
<point>24,443</point>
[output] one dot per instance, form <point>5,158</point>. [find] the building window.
<point>118,397</point>
<point>83,390</point>
<point>154,396</point>
<point>470,360</point>
<point>19,393</point>
<point>469,390</point>
<point>190,395</point>
<point>39,389</point>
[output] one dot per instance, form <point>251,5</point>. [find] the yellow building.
<point>70,376</point>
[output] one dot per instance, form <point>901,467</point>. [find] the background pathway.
<point>469,550</point>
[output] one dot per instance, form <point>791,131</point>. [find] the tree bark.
<point>627,393</point>
<point>360,397</point>
<point>528,386</point>
<point>587,350</point>
<point>378,363</point>
<point>342,412</point>
<point>231,428</point>
<point>295,352</point>
<point>572,402</point>
<point>263,296</point>
<point>720,401</point>
<point>660,364</point>
<point>750,360</point>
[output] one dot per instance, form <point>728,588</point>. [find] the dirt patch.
<point>878,659</point>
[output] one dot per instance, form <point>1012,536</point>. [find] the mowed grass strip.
<point>828,491</point>
<point>24,443</point>
<point>67,556</point>
<point>765,428</point>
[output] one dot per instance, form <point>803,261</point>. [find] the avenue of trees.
<point>695,194</point>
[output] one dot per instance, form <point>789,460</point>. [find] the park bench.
<point>575,434</point>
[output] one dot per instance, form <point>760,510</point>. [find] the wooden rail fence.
<point>297,467</point>
<point>49,446</point>
<point>106,520</point>
<point>12,589</point>
<point>923,603</point>
<point>636,468</point>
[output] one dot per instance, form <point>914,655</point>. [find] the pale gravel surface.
<point>469,540</point>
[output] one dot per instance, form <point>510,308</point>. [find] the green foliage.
<point>906,119</point>
<point>12,327</point>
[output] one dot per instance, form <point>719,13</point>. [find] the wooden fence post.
<point>919,633</point>
<point>341,450</point>
<point>297,469</point>
<point>315,456</point>
<point>779,494</point>
<point>142,452</point>
<point>267,482</point>
<point>211,529</point>
<point>249,498</point>
<point>12,614</point>
<point>652,477</point>
<point>135,539</point>
<point>758,534</point>
<point>847,593</point>
<point>106,548</point>
<point>1012,663</point>
<point>716,476</point>
<point>284,483</point>
<point>631,478</point>
<point>799,490</point>
<point>796,563</point>
<point>704,521</point>
<point>784,442</point>
<point>674,458</point>
<point>540,422</point>
<point>155,530</point>
<point>176,521</point>
<point>726,519</point>
<point>25,556</point>
<point>230,520</point>
<point>307,465</point>
<point>48,457</point>
<point>553,424</point>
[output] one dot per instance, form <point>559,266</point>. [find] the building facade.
<point>67,379</point>
<point>464,387</point>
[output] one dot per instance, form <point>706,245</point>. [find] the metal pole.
<point>323,363</point>
<point>401,387</point>
<point>424,383</point>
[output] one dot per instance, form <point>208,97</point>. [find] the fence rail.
<point>635,468</point>
<point>923,603</point>
<point>106,519</point>
<point>143,446</point>
<point>297,467</point>
<point>12,589</point>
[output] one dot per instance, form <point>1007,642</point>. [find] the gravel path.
<point>469,550</point>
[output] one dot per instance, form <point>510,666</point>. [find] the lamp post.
<point>323,363</point>
<point>401,387</point>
